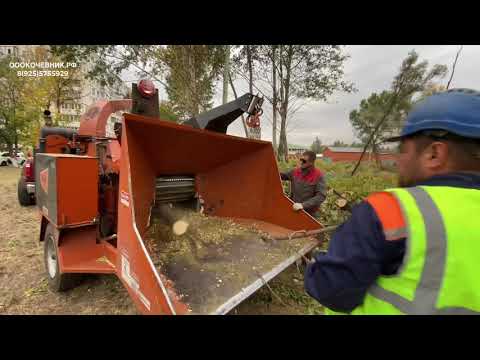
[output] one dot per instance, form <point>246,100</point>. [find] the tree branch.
<point>238,72</point>
<point>454,65</point>
<point>235,94</point>
<point>392,102</point>
<point>139,68</point>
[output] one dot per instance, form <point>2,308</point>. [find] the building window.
<point>9,51</point>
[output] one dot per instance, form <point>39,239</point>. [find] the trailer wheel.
<point>56,280</point>
<point>24,197</point>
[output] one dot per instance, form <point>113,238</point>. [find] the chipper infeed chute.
<point>228,190</point>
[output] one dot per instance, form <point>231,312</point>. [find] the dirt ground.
<point>24,289</point>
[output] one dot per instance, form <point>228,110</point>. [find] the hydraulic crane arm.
<point>218,119</point>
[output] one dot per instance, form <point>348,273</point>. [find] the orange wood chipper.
<point>96,193</point>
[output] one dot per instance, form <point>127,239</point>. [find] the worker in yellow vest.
<point>414,249</point>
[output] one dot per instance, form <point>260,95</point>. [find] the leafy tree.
<point>247,62</point>
<point>339,143</point>
<point>381,115</point>
<point>307,72</point>
<point>167,112</point>
<point>187,72</point>
<point>23,99</point>
<point>107,62</point>
<point>430,89</point>
<point>292,74</point>
<point>357,145</point>
<point>52,92</point>
<point>191,76</point>
<point>414,77</point>
<point>13,113</point>
<point>317,146</point>
<point>372,109</point>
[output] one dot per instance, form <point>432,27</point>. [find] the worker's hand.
<point>297,206</point>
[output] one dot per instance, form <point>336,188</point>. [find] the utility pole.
<point>226,74</point>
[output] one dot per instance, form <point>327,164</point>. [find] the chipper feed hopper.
<point>103,202</point>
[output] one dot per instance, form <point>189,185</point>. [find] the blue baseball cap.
<point>456,111</point>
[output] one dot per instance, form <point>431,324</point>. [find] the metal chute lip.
<point>257,284</point>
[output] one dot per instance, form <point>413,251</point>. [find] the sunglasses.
<point>303,161</point>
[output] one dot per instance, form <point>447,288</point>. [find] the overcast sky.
<point>371,68</point>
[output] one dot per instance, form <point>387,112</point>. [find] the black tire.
<point>57,281</point>
<point>4,163</point>
<point>24,197</point>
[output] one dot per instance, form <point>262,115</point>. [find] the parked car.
<point>26,183</point>
<point>5,159</point>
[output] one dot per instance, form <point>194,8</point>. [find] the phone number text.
<point>41,73</point>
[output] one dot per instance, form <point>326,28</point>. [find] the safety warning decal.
<point>129,278</point>
<point>125,198</point>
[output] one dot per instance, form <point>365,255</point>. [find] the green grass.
<point>287,295</point>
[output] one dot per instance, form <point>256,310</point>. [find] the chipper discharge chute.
<point>197,214</point>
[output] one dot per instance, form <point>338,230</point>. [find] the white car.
<point>17,161</point>
<point>5,159</point>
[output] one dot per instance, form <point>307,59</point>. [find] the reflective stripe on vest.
<point>430,283</point>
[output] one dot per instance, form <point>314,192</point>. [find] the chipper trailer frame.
<point>96,198</point>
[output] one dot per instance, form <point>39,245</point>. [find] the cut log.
<point>180,227</point>
<point>171,217</point>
